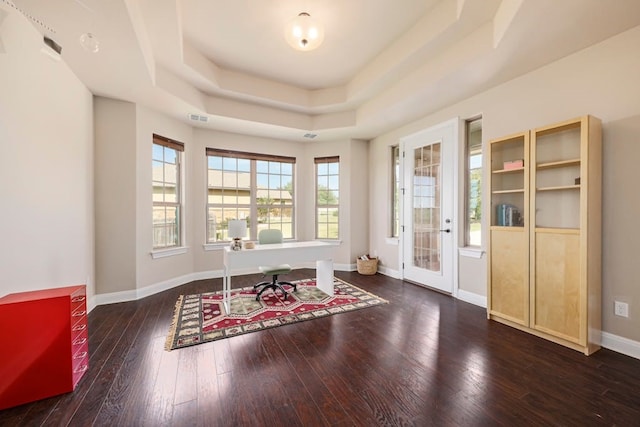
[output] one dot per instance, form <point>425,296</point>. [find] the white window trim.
<point>164,253</point>
<point>471,252</point>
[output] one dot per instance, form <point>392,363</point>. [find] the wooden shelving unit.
<point>546,280</point>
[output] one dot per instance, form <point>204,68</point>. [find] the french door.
<point>428,206</point>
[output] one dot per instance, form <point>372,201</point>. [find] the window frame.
<point>473,147</point>
<point>317,162</point>
<point>396,192</point>
<point>178,205</point>
<point>250,209</point>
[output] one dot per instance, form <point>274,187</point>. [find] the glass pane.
<point>170,194</point>
<point>229,197</point>
<point>158,192</point>
<point>287,168</point>
<point>229,164</point>
<point>244,165</point>
<point>170,155</point>
<point>287,183</point>
<point>215,197</point>
<point>263,180</point>
<point>287,230</point>
<point>244,180</point>
<point>244,198</point>
<point>323,232</point>
<point>322,168</point>
<point>334,168</point>
<point>426,208</point>
<point>157,152</point>
<point>274,167</point>
<point>215,178</point>
<point>274,181</point>
<point>157,171</point>
<point>323,182</point>
<point>262,166</point>
<point>171,173</point>
<point>333,182</point>
<point>214,162</point>
<point>214,218</point>
<point>332,215</point>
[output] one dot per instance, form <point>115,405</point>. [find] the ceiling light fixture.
<point>303,33</point>
<point>90,43</point>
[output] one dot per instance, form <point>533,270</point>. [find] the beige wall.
<point>124,245</point>
<point>115,195</point>
<point>46,167</point>
<point>601,80</point>
<point>354,196</point>
<point>151,271</point>
<point>620,228</point>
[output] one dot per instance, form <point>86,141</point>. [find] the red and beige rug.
<point>202,318</point>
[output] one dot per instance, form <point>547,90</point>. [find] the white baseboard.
<point>609,341</point>
<point>155,288</point>
<point>136,294</point>
<point>389,272</point>
<point>472,298</point>
<point>621,345</point>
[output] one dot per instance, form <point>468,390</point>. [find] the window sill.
<point>471,252</point>
<point>163,253</point>
<point>215,246</point>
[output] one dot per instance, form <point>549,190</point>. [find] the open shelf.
<point>515,190</point>
<point>559,187</point>
<point>559,164</point>
<point>509,170</point>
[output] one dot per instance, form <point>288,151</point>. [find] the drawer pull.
<point>81,327</point>
<point>80,355</point>
<point>78,299</point>
<point>81,369</point>
<point>80,341</point>
<point>79,313</point>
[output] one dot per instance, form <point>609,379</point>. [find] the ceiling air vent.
<point>198,118</point>
<point>310,135</point>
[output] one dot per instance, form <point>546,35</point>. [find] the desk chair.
<point>266,237</point>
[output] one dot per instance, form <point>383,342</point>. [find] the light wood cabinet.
<point>546,277</point>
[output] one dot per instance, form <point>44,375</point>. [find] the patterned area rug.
<point>202,318</point>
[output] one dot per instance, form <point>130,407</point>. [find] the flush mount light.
<point>303,33</point>
<point>89,42</point>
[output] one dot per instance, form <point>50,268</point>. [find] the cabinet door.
<point>508,293</point>
<point>557,295</point>
<point>509,275</point>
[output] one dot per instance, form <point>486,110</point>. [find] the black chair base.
<point>275,285</point>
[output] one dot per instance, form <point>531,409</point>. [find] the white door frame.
<point>455,164</point>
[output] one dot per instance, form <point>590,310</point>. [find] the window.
<point>473,235</point>
<point>254,187</point>
<point>395,191</point>
<point>327,197</point>
<point>167,199</point>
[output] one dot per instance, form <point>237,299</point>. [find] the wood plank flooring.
<point>424,359</point>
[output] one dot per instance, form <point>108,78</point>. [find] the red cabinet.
<point>44,344</point>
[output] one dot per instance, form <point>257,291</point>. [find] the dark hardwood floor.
<point>423,359</point>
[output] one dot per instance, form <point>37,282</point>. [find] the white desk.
<point>282,253</point>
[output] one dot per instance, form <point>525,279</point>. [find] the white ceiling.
<point>383,63</point>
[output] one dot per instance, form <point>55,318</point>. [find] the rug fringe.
<point>174,324</point>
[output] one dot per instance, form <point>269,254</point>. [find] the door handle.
<point>446,230</point>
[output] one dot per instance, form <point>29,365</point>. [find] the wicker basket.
<point>367,267</point>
